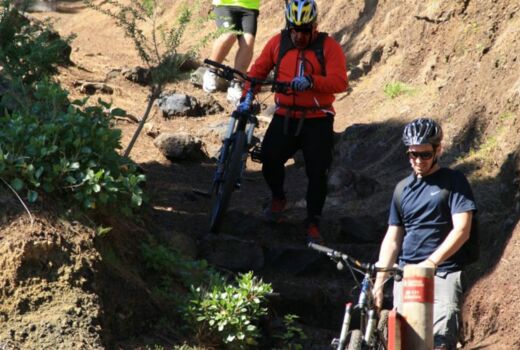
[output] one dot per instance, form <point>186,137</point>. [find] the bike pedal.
<point>256,153</point>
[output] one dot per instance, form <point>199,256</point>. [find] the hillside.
<point>456,61</point>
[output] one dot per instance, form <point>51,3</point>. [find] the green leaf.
<point>137,200</point>
<point>38,172</point>
<point>48,187</point>
<point>17,184</point>
<point>101,231</point>
<point>118,112</point>
<point>32,196</point>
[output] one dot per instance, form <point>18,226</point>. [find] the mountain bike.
<point>237,142</point>
<point>372,333</point>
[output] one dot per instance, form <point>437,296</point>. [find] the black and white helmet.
<point>422,131</point>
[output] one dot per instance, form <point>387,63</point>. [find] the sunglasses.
<point>307,29</point>
<point>423,155</point>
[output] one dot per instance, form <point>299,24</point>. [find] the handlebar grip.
<point>281,87</point>
<point>321,248</point>
<point>215,64</point>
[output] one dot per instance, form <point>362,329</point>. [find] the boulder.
<point>139,75</point>
<point>196,79</point>
<point>180,146</point>
<point>172,105</point>
<point>232,253</point>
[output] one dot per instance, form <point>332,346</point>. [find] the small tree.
<point>159,50</point>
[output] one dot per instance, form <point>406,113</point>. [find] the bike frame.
<point>365,304</point>
<point>244,121</point>
<point>237,141</point>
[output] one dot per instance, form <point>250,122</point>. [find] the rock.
<point>232,253</point>
<point>196,79</point>
<point>210,105</point>
<point>438,11</point>
<point>139,75</point>
<point>90,88</point>
<point>113,73</point>
<point>180,146</point>
<point>343,179</point>
<point>172,105</point>
<point>355,73</point>
<point>189,64</point>
<point>292,260</point>
<point>358,146</point>
<point>151,129</point>
<point>363,229</point>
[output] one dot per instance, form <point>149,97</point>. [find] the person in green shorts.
<point>239,15</point>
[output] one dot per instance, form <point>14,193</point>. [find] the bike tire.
<point>232,169</point>
<point>356,340</point>
<point>382,331</point>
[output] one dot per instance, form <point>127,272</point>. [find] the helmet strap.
<point>435,157</point>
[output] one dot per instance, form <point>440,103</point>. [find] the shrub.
<point>230,312</point>
<point>396,88</point>
<point>294,337</point>
<point>167,263</point>
<point>29,51</point>
<point>48,145</point>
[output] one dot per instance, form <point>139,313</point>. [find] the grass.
<point>487,150</point>
<point>395,89</point>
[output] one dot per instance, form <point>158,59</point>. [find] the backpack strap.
<point>286,44</point>
<point>317,47</point>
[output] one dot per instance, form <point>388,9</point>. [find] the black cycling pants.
<point>236,17</point>
<point>316,140</point>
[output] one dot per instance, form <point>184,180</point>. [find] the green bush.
<point>230,312</point>
<point>166,263</point>
<point>29,51</point>
<point>49,145</point>
<point>68,150</point>
<point>293,337</point>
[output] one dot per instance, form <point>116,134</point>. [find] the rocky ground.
<point>457,59</point>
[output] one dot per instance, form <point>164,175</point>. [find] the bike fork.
<point>371,326</point>
<point>344,327</point>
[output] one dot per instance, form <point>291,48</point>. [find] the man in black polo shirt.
<point>430,220</point>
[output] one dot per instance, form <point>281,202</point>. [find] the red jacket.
<point>319,99</point>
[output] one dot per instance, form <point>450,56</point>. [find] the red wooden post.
<point>418,283</point>
<point>395,331</point>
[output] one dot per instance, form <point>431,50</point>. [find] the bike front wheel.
<point>356,340</point>
<point>231,174</point>
<point>382,331</point>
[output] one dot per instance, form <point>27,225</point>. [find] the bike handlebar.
<point>229,74</point>
<point>366,267</point>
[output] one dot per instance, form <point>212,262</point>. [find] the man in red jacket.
<point>315,65</point>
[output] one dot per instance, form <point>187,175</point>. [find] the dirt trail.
<point>459,60</point>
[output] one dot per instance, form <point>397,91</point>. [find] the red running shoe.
<point>313,234</point>
<point>274,212</point>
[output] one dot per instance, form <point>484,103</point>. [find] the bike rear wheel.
<point>356,340</point>
<point>231,173</point>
